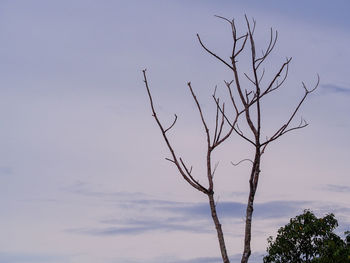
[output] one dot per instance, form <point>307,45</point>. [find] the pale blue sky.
<point>82,170</point>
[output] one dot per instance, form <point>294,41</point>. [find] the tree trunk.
<point>220,234</point>
<point>253,184</point>
<point>248,229</point>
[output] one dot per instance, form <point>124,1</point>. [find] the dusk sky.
<point>83,175</point>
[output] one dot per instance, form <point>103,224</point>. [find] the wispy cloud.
<point>335,89</point>
<point>254,258</point>
<point>83,188</point>
<point>234,209</point>
<point>193,210</point>
<point>146,215</point>
<point>338,188</point>
<point>31,258</point>
<point>200,260</point>
<point>140,226</point>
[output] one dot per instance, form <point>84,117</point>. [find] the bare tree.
<point>246,102</point>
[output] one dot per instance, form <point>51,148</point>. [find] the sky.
<point>83,175</point>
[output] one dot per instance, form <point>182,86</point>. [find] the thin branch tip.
<point>172,125</point>
<point>224,18</point>
<point>168,159</point>
<point>241,161</point>
<point>307,91</point>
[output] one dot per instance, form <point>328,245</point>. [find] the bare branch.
<point>200,113</point>
<point>252,81</point>
<point>233,128</point>
<point>222,112</point>
<point>270,47</point>
<point>171,124</point>
<point>241,161</point>
<point>235,38</point>
<point>247,95</point>
<point>224,18</point>
<point>262,75</point>
<point>255,130</point>
<point>216,119</point>
<point>189,174</point>
<point>228,85</point>
<point>277,75</point>
<point>172,161</point>
<point>240,133</point>
<point>314,88</point>
<point>254,25</point>
<point>213,54</point>
<point>218,129</point>
<point>235,54</point>
<point>188,179</point>
<point>283,129</point>
<point>270,88</point>
<point>221,125</point>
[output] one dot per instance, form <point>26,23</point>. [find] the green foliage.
<point>309,239</point>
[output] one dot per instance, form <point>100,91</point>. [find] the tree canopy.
<point>309,239</point>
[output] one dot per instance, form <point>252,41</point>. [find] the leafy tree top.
<point>307,238</point>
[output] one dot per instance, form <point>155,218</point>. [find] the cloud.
<point>254,258</point>
<point>237,210</point>
<point>143,214</point>
<point>146,215</point>
<point>83,188</point>
<point>335,89</point>
<point>200,260</point>
<point>140,226</point>
<point>338,188</point>
<point>31,258</point>
<point>279,209</point>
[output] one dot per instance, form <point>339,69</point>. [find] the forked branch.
<point>187,176</point>
<point>285,127</point>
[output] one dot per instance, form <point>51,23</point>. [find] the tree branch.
<point>241,161</point>
<point>200,113</point>
<point>171,124</point>
<point>174,160</point>
<point>283,129</point>
<point>213,54</point>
